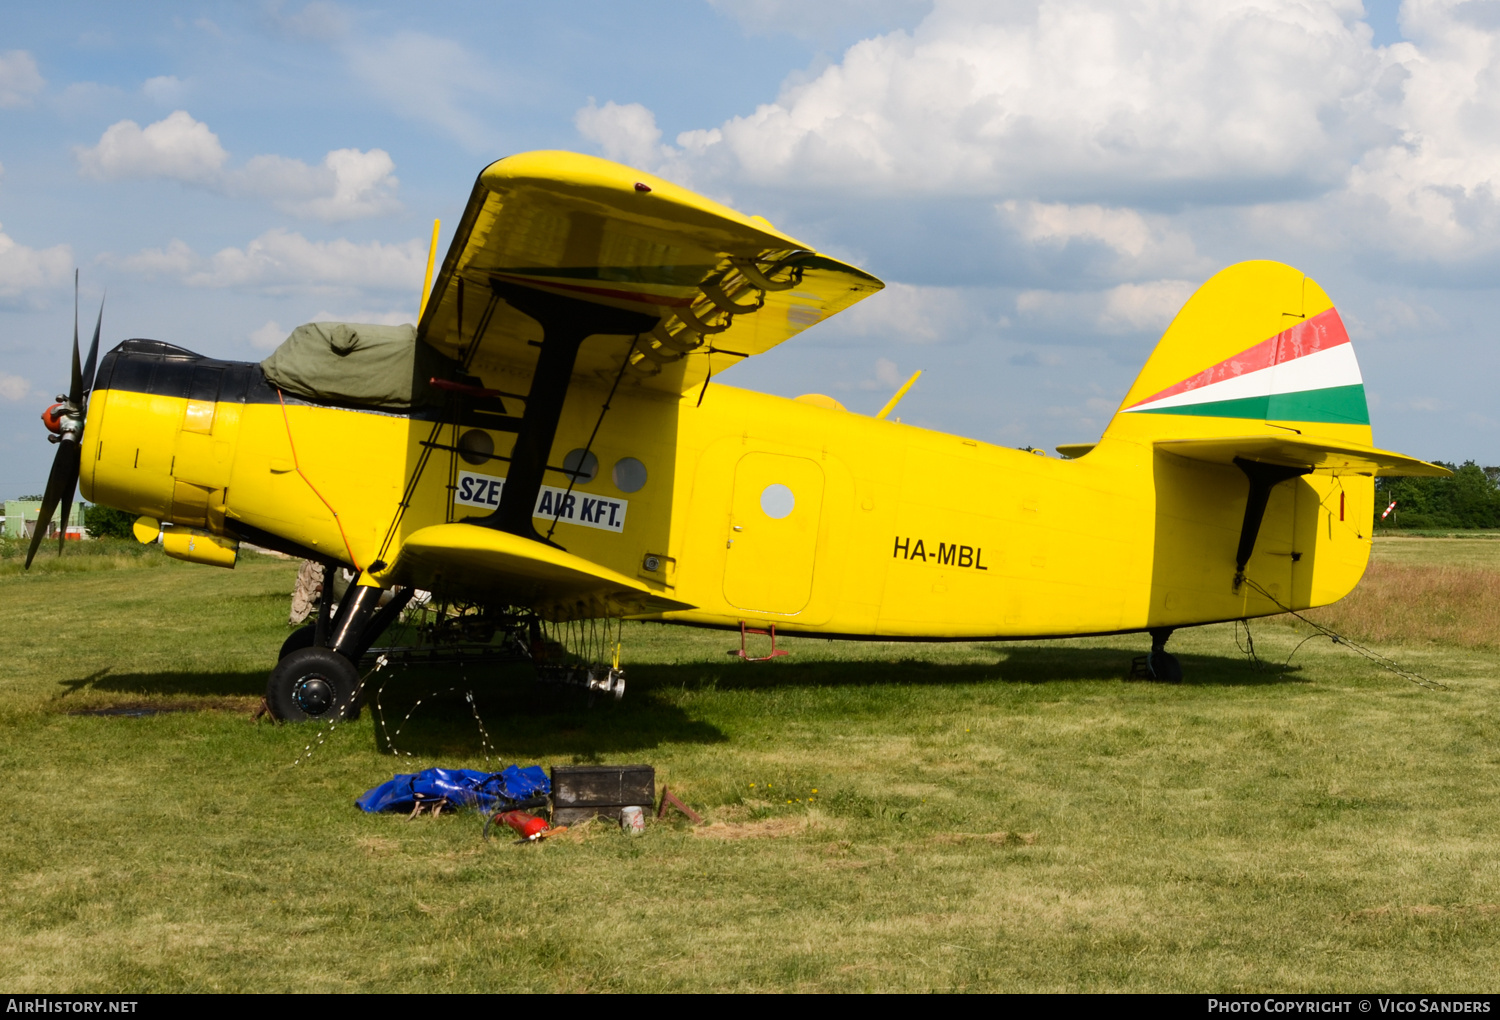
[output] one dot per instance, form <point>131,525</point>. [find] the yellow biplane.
<point>547,444</point>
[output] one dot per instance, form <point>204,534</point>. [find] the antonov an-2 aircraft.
<point>548,443</point>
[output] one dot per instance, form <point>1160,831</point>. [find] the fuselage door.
<point>773,533</point>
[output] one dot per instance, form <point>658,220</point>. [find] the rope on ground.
<point>1385,662</point>
<point>1247,647</point>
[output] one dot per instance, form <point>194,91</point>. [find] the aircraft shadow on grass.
<point>520,718</point>
<point>1012,664</point>
<point>524,720</point>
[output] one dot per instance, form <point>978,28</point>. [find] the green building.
<point>21,514</point>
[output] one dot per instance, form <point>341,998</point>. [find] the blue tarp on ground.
<point>486,791</point>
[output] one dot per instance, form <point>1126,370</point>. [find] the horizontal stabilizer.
<point>1319,455</point>
<point>499,567</point>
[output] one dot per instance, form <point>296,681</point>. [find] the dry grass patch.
<point>766,828</point>
<point>1427,910</point>
<point>1403,603</point>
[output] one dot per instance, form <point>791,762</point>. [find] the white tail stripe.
<point>1335,366</point>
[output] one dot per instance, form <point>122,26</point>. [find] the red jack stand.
<point>771,633</point>
<point>670,799</point>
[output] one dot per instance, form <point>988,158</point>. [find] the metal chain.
<point>486,747</point>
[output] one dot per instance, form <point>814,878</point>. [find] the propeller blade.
<point>75,384</point>
<point>93,359</point>
<point>67,500</point>
<point>63,479</point>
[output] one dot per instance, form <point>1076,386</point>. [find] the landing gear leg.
<point>317,675</point>
<point>1159,664</point>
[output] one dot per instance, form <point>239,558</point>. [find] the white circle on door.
<point>777,501</point>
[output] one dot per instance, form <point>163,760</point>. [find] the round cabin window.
<point>777,501</point>
<point>629,474</point>
<point>475,447</point>
<point>580,466</point>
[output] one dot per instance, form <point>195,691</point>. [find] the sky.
<point>1041,183</point>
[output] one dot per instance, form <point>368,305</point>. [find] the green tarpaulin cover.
<point>358,364</point>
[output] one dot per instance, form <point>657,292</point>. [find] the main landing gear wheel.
<point>313,683</point>
<point>302,637</point>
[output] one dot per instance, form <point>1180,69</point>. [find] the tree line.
<point>1470,499</point>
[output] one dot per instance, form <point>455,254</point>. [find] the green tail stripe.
<point>1344,405</point>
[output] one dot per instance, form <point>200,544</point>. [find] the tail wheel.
<point>1164,667</point>
<point>313,683</point>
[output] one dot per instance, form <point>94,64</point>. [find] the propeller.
<point>64,420</point>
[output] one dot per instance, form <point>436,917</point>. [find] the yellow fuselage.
<point>892,531</point>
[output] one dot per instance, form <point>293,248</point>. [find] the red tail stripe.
<point>1319,333</point>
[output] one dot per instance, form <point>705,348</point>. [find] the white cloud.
<point>349,184</point>
<point>815,21</point>
<point>164,90</point>
<point>284,262</point>
<point>13,387</point>
<point>1435,191</point>
<point>1063,97</point>
<point>319,21</point>
<point>24,272</point>
<point>1127,308</point>
<point>452,82</point>
<point>176,259</point>
<point>1126,242</point>
<point>1080,116</point>
<point>913,314</point>
<point>269,336</point>
<point>625,132</point>
<point>177,147</point>
<point>1144,306</point>
<point>20,80</point>
<point>1124,230</point>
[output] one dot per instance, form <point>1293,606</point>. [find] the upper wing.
<point>1319,454</point>
<point>724,285</point>
<point>499,567</point>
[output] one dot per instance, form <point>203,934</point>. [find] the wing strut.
<point>566,322</point>
<point>1263,478</point>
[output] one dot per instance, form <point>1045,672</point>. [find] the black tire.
<point>1164,667</point>
<point>297,640</point>
<point>313,683</point>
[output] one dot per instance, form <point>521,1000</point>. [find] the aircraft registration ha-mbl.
<point>548,444</point>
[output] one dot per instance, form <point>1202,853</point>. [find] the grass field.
<point>881,816</point>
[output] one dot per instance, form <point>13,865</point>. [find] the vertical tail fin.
<point>1258,350</point>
